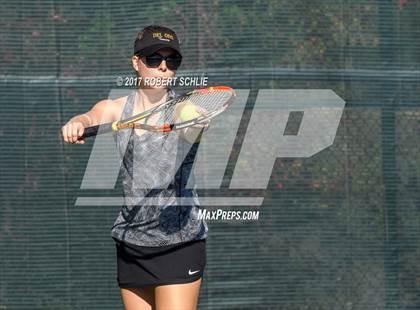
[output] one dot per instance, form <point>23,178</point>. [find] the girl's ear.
<point>135,63</point>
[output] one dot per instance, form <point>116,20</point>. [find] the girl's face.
<point>161,72</point>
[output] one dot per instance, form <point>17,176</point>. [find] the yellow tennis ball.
<point>188,112</point>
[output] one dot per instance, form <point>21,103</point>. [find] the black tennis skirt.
<point>173,264</point>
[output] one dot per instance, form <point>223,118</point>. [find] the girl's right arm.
<point>104,111</point>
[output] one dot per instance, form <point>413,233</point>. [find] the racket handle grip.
<point>97,130</point>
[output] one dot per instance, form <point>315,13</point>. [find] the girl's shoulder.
<point>172,93</point>
<point>118,105</point>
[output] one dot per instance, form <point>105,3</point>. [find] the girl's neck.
<point>148,98</point>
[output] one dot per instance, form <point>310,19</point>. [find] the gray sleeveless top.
<point>155,170</point>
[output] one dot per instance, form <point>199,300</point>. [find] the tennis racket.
<point>208,102</point>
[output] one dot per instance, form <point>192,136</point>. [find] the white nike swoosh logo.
<point>192,272</point>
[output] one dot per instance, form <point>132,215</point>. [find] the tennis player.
<point>160,244</point>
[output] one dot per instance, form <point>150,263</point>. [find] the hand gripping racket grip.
<point>95,130</point>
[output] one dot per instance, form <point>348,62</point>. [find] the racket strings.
<point>167,115</point>
<point>210,101</point>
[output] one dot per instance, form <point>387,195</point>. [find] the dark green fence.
<point>339,230</point>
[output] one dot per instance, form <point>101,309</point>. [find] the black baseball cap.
<point>153,38</point>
